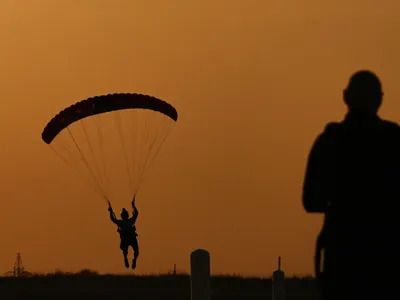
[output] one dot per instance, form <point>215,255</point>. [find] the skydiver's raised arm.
<point>135,211</point>
<point>113,218</point>
<point>112,215</point>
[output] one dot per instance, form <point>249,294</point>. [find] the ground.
<point>88,285</point>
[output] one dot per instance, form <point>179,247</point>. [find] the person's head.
<point>363,92</point>
<point>124,214</point>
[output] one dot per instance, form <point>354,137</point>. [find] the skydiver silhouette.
<point>127,232</point>
<point>353,178</point>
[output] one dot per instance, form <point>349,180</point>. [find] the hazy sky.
<point>254,82</point>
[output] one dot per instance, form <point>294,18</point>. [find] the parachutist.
<point>127,232</point>
<point>63,136</point>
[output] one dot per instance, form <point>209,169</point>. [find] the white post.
<point>200,275</point>
<point>278,283</point>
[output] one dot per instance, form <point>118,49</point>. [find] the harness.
<point>127,234</point>
<point>131,233</point>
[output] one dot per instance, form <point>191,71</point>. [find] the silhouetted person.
<point>127,231</point>
<point>353,177</point>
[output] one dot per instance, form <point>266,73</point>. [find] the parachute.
<point>111,140</point>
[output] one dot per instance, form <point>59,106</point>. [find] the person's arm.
<point>319,182</point>
<point>112,215</point>
<point>135,211</point>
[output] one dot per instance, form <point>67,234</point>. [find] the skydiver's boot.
<point>126,262</point>
<point>134,263</point>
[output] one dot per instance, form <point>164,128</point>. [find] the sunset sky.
<point>254,83</point>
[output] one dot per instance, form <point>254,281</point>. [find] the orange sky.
<point>254,82</point>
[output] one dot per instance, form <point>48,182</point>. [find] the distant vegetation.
<point>87,284</point>
<point>89,272</point>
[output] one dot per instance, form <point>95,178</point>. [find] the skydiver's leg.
<point>125,253</point>
<point>124,249</point>
<point>135,246</point>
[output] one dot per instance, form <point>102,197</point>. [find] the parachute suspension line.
<point>133,152</point>
<point>101,146</point>
<point>118,121</point>
<point>145,165</point>
<point>142,167</point>
<point>59,155</point>
<point>144,152</point>
<point>83,161</point>
<point>161,144</point>
<point>67,150</point>
<point>100,190</point>
<point>154,156</point>
<point>137,151</point>
<point>94,157</point>
<point>148,162</point>
<point>134,149</point>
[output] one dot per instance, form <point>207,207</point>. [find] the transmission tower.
<point>18,269</point>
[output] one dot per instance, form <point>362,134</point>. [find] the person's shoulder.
<point>332,128</point>
<point>390,125</point>
<point>329,134</point>
<point>390,129</point>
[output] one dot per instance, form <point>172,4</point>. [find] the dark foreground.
<point>176,287</point>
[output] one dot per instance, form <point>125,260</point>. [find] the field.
<point>88,285</point>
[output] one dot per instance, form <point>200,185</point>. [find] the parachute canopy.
<point>111,139</point>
